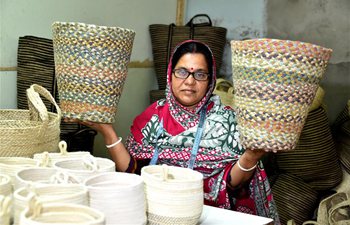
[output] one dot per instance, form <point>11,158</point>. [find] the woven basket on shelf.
<point>275,82</point>
<point>38,213</point>
<point>91,64</point>
<point>107,189</point>
<point>174,195</point>
<point>49,193</point>
<point>26,132</point>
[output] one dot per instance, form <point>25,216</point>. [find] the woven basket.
<point>91,64</point>
<point>52,158</point>
<point>33,177</point>
<point>107,189</point>
<point>26,132</point>
<point>5,209</point>
<point>85,167</point>
<point>38,213</point>
<point>49,193</point>
<point>11,165</point>
<point>275,82</point>
<point>174,195</point>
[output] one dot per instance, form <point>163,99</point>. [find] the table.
<point>217,216</point>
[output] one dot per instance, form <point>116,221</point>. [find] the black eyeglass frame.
<point>194,74</point>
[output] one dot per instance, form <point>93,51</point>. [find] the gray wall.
<point>321,22</point>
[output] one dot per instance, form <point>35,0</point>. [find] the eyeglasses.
<point>183,74</point>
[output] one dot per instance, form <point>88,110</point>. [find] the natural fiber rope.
<point>5,209</point>
<point>275,82</point>
<point>26,132</point>
<point>91,65</point>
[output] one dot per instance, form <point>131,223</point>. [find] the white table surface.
<point>217,216</point>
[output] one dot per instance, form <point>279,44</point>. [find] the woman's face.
<point>189,92</point>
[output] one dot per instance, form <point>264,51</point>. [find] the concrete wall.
<point>322,22</point>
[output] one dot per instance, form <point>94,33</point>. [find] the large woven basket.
<point>174,195</point>
<point>91,64</point>
<point>107,189</point>
<point>26,132</point>
<point>275,82</point>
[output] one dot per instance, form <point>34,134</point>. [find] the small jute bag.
<point>224,89</point>
<point>26,132</point>
<point>38,213</point>
<point>107,189</point>
<point>5,209</point>
<point>91,64</point>
<point>49,193</point>
<point>174,195</point>
<point>275,82</point>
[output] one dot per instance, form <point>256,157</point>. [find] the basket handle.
<point>192,24</point>
<point>62,145</point>
<point>33,95</point>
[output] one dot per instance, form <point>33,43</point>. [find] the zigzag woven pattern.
<point>275,82</point>
<point>91,64</point>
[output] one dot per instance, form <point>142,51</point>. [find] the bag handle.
<point>33,95</point>
<point>192,24</point>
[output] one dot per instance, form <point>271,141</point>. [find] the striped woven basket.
<point>91,64</point>
<point>275,82</point>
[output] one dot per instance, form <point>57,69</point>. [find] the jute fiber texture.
<point>275,82</point>
<point>26,132</point>
<point>91,64</point>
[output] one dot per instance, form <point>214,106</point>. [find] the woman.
<point>192,128</point>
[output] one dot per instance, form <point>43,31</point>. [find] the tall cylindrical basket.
<point>91,64</point>
<point>174,195</point>
<point>275,82</point>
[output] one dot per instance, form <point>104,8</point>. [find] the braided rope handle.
<point>63,178</point>
<point>90,163</point>
<point>37,107</point>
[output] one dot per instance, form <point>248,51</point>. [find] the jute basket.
<point>91,64</point>
<point>5,185</point>
<point>11,165</point>
<point>86,167</point>
<point>49,193</point>
<point>174,195</point>
<point>26,132</point>
<point>52,158</point>
<point>5,209</point>
<point>275,82</point>
<point>38,213</point>
<point>224,89</point>
<point>107,189</point>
